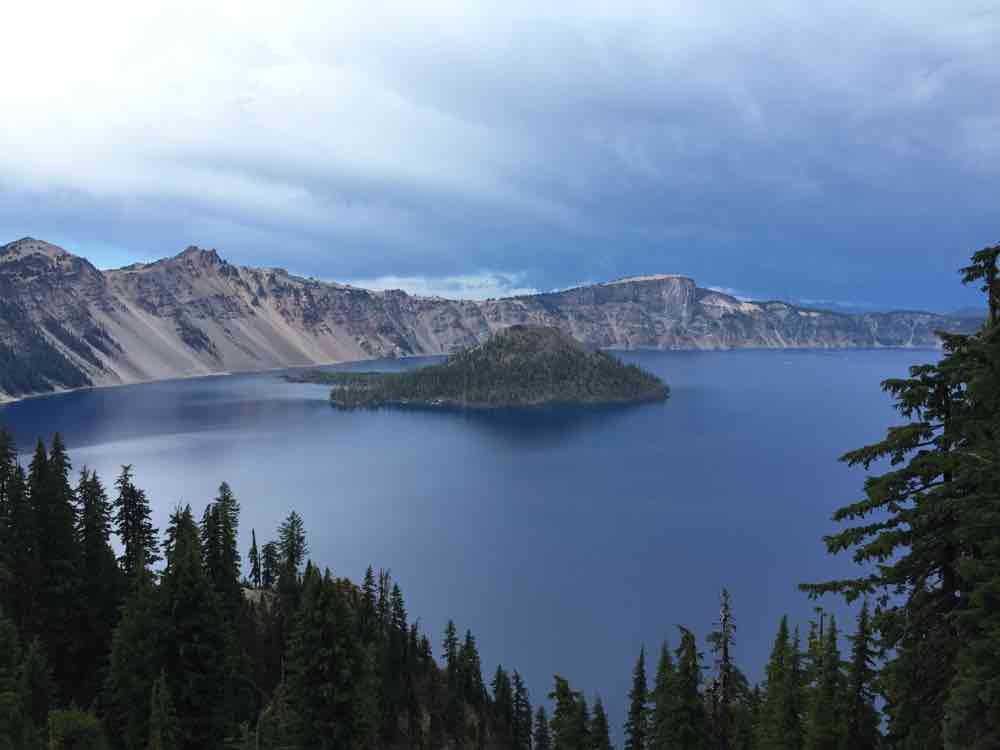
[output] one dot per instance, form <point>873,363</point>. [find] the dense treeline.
<point>518,366</point>
<point>174,644</point>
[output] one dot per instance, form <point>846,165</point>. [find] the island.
<point>523,365</point>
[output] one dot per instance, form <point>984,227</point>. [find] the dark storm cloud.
<point>823,151</point>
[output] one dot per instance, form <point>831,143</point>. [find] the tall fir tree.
<point>133,525</point>
<point>928,526</point>
<point>254,560</point>
<point>565,727</point>
<point>195,639</point>
<point>270,565</point>
<point>522,715</point>
<point>163,725</point>
<point>721,641</point>
<point>600,731</point>
<point>135,663</point>
<point>690,725</point>
<point>825,724</point>
<point>542,738</point>
<point>58,599</point>
<point>637,722</point>
<point>861,721</point>
<point>101,586</point>
<point>664,702</point>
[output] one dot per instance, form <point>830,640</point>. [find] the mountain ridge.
<point>66,324</point>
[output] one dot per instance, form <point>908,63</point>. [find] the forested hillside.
<point>181,642</point>
<point>519,366</point>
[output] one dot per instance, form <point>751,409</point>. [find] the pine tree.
<point>928,526</point>
<point>664,702</point>
<point>254,558</point>
<point>163,725</point>
<point>721,641</point>
<point>542,739</point>
<point>36,691</point>
<point>522,715</point>
<point>637,723</point>
<point>690,726</point>
<point>195,638</point>
<point>136,661</point>
<point>365,710</point>
<point>825,710</point>
<point>503,702</point>
<point>219,526</point>
<point>471,671</point>
<point>565,727</point>
<point>270,565</point>
<point>292,544</point>
<point>861,731</point>
<point>322,658</point>
<point>600,732</point>
<point>58,599</point>
<point>11,715</point>
<point>101,585</point>
<point>455,698</point>
<point>21,555</point>
<point>133,526</point>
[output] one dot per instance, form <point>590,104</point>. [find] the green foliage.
<point>519,366</point>
<point>542,738</point>
<point>163,727</point>
<point>73,729</point>
<point>637,723</point>
<point>600,732</point>
<point>134,528</point>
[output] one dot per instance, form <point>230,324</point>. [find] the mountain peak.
<point>30,246</point>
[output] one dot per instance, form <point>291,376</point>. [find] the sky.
<point>835,153</point>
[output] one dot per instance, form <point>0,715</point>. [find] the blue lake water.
<point>564,538</point>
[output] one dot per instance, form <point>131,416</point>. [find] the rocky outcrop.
<point>65,324</point>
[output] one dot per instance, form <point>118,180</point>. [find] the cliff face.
<point>64,323</point>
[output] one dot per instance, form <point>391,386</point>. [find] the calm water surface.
<point>564,538</point>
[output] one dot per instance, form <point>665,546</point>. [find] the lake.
<point>563,537</point>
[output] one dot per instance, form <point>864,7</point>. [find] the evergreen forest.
<point>118,635</point>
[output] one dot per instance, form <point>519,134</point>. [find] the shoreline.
<point>8,400</point>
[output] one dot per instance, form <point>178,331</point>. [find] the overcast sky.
<point>836,152</point>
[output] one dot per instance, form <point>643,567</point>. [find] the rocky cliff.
<point>66,324</point>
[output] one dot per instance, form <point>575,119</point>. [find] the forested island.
<point>174,643</point>
<point>517,366</point>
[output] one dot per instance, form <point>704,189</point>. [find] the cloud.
<point>749,144</point>
<point>478,286</point>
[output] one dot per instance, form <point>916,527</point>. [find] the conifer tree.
<point>825,710</point>
<point>270,565</point>
<point>365,710</point>
<point>163,726</point>
<point>58,596</point>
<point>861,731</point>
<point>101,586</point>
<point>133,526</point>
<point>503,701</point>
<point>664,702</point>
<point>522,715</point>
<point>929,526</point>
<point>10,698</point>
<point>565,726</point>
<point>22,557</point>
<point>292,544</point>
<point>637,723</point>
<point>322,663</point>
<point>195,640</point>
<point>600,732</point>
<point>454,687</point>
<point>473,688</point>
<point>135,662</point>
<point>254,558</point>
<point>542,739</point>
<point>690,726</point>
<point>721,641</point>
<point>36,691</point>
